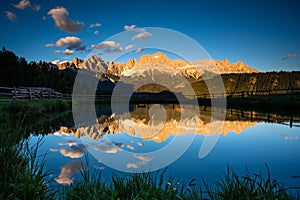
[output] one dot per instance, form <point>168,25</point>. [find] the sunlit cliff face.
<point>187,69</point>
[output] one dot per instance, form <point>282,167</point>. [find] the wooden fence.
<point>31,93</point>
<point>252,93</point>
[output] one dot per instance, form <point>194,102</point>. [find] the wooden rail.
<point>31,93</point>
<point>252,93</point>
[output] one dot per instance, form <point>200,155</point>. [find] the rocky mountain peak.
<point>226,61</point>
<point>77,61</point>
<point>195,69</point>
<point>157,58</point>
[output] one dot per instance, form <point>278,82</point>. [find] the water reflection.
<point>67,171</point>
<point>142,133</point>
<point>141,123</point>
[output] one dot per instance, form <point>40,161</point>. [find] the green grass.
<point>156,186</point>
<point>248,186</point>
<point>22,174</point>
<point>22,111</point>
<point>132,186</point>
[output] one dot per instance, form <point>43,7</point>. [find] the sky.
<point>263,34</point>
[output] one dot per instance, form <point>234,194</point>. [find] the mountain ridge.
<point>187,69</point>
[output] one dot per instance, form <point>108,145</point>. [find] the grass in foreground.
<point>156,186</point>
<point>233,186</point>
<point>133,186</point>
<point>23,176</point>
<point>27,181</point>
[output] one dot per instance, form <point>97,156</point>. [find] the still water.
<point>142,141</point>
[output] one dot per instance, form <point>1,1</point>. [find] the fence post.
<point>29,94</point>
<point>41,94</point>
<point>15,93</point>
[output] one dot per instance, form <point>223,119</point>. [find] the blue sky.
<point>260,33</point>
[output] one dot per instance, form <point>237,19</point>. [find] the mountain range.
<point>188,69</point>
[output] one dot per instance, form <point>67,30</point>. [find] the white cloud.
<point>143,158</point>
<point>141,35</point>
<point>59,14</point>
<point>69,142</point>
<point>74,152</point>
<point>108,149</point>
<point>11,16</point>
<point>132,165</point>
<point>53,149</point>
<point>131,27</point>
<point>128,47</point>
<point>71,43</point>
<point>50,45</point>
<point>36,7</point>
<point>140,30</point>
<point>108,46</point>
<point>95,25</point>
<point>66,52</point>
<point>289,56</point>
<point>130,147</point>
<point>96,32</point>
<point>67,171</point>
<point>139,50</point>
<point>140,144</point>
<point>23,4</point>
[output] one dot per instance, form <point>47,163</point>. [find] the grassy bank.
<point>19,111</point>
<point>20,119</point>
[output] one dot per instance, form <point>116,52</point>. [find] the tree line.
<point>16,71</point>
<point>247,82</point>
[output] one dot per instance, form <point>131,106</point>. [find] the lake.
<point>152,137</point>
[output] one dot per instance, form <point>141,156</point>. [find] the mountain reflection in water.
<point>140,132</point>
<point>141,124</point>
